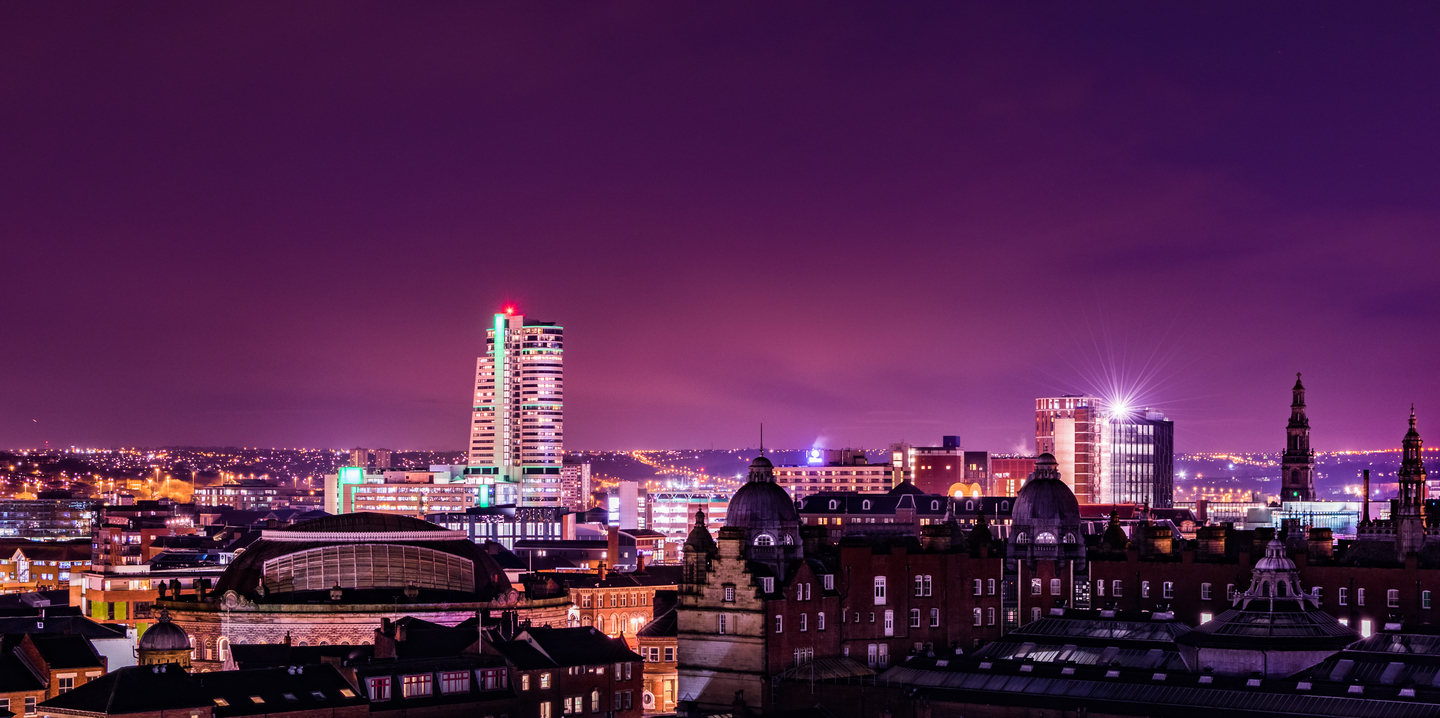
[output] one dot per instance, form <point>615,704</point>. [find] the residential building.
<point>575,484</point>
<point>370,458</point>
<point>114,644</point>
<point>900,512</point>
<point>27,566</point>
<point>842,470</point>
<point>660,648</point>
<point>572,671</point>
<point>671,511</point>
<point>61,663</point>
<point>619,603</point>
<point>1070,428</point>
<point>255,495</point>
<point>941,469</point>
<point>518,421</point>
<point>1008,473</point>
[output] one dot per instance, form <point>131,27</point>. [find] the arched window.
<point>585,621</point>
<point>975,492</point>
<point>1004,505</point>
<point>934,505</point>
<point>834,505</point>
<point>788,540</point>
<point>1069,538</point>
<point>303,643</point>
<point>193,652</point>
<point>1022,538</point>
<point>209,650</point>
<point>223,648</point>
<point>865,504</point>
<point>1045,537</point>
<point>764,540</point>
<point>969,505</point>
<point>1284,589</point>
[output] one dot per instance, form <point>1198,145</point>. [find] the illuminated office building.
<point>517,427</point>
<point>1139,460</point>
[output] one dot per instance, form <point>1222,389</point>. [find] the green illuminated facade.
<point>518,422</point>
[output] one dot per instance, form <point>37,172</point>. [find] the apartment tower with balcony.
<point>517,427</point>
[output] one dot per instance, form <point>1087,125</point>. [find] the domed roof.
<point>760,503</point>
<point>1045,497</point>
<point>761,462</point>
<point>243,575</point>
<point>165,636</point>
<point>700,538</point>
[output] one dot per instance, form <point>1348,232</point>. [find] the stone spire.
<point>1410,515</point>
<point>1297,466</point>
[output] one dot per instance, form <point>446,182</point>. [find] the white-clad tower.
<point>517,428</point>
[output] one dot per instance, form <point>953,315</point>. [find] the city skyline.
<point>290,226</point>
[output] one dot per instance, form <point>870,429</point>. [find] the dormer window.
<point>1045,537</point>
<point>934,505</point>
<point>764,540</point>
<point>1004,505</point>
<point>834,505</point>
<point>1022,538</point>
<point>865,504</point>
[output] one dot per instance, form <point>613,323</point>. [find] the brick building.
<point>563,671</point>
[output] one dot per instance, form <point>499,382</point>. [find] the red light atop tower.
<point>509,310</point>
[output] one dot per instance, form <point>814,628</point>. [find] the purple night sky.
<point>287,225</point>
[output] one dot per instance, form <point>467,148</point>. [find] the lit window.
<point>879,590</point>
<point>977,616</point>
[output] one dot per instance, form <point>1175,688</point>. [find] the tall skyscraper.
<point>1139,459</point>
<point>1070,428</point>
<point>1297,466</point>
<point>518,426</point>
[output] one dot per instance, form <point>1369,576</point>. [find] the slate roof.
<point>290,688</point>
<point>662,627</point>
<point>77,625</point>
<point>60,651</point>
<point>270,655</point>
<point>537,648</point>
<point>653,576</point>
<point>15,677</point>
<point>134,689</point>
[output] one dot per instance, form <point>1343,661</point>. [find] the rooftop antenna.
<point>762,438</point>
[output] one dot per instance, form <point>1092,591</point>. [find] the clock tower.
<point>1297,466</point>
